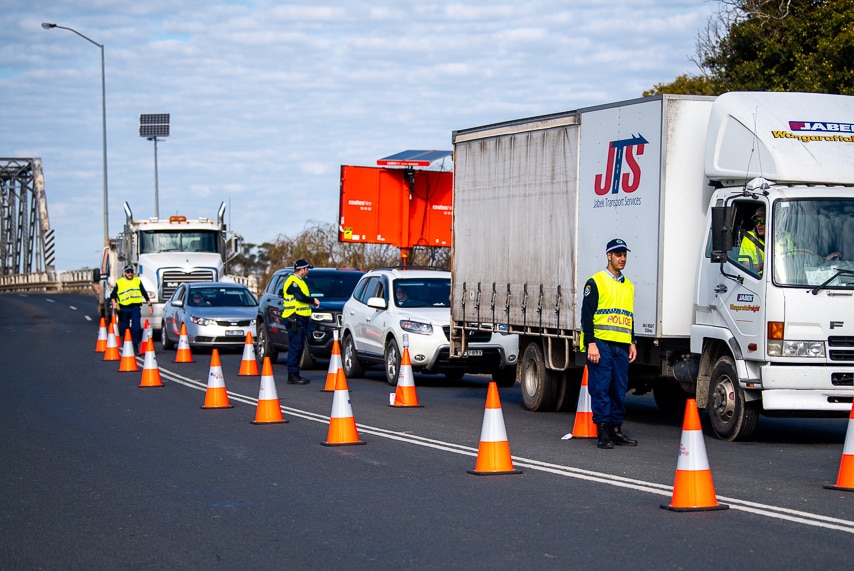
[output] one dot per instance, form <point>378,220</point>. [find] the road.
<point>98,473</point>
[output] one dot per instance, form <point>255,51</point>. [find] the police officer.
<point>297,310</point>
<point>607,325</point>
<point>127,298</point>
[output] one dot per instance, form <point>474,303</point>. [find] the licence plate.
<point>234,332</point>
<point>473,353</point>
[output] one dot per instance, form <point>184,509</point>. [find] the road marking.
<point>766,510</point>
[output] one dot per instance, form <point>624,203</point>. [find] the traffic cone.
<point>269,411</point>
<point>693,489</point>
<point>342,425</point>
<point>183,354</point>
<point>150,370</point>
<point>248,365</point>
<point>128,359</point>
<point>114,328</point>
<point>111,351</point>
<point>845,480</point>
<point>405,395</point>
<point>584,426</point>
<point>493,454</point>
<point>101,344</point>
<point>146,331</point>
<point>334,365</point>
<point>216,395</point>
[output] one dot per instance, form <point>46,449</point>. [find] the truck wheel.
<point>392,362</point>
<point>505,377</point>
<point>669,396</point>
<point>732,417</point>
<point>263,348</point>
<point>570,388</point>
<point>349,361</point>
<point>164,338</point>
<point>539,386</point>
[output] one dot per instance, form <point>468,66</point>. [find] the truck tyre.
<point>731,416</point>
<point>165,342</point>
<point>349,361</point>
<point>570,388</point>
<point>263,348</point>
<point>669,396</point>
<point>539,386</point>
<point>392,362</point>
<point>505,377</point>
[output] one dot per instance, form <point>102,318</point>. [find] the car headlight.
<point>322,316</point>
<point>785,348</point>
<point>202,320</point>
<point>416,327</point>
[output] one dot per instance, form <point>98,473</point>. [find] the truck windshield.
<point>156,241</point>
<point>813,240</point>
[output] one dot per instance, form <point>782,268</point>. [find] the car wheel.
<point>164,337</point>
<point>263,348</point>
<point>732,417</point>
<point>307,361</point>
<point>392,362</point>
<point>349,361</point>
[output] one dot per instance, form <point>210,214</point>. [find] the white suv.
<point>390,302</point>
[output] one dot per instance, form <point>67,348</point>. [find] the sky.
<point>268,99</point>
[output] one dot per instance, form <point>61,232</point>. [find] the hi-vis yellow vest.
<point>291,304</point>
<point>129,291</point>
<point>615,315</point>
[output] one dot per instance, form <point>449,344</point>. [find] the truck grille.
<point>840,348</point>
<point>172,279</point>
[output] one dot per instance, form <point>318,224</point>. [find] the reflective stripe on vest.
<point>291,304</point>
<point>614,316</point>
<point>129,291</point>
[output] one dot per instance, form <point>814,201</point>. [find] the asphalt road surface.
<point>97,473</point>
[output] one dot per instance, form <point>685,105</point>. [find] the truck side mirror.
<point>96,276</point>
<point>722,239</point>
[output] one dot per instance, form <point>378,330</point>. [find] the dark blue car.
<point>332,286</point>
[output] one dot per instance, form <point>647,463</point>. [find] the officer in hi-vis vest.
<point>607,334</point>
<point>297,310</point>
<point>127,298</point>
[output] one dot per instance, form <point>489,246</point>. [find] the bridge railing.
<point>74,281</point>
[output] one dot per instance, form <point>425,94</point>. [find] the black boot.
<point>619,438</point>
<point>295,379</point>
<point>604,431</point>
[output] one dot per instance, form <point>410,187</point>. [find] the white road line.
<point>766,510</point>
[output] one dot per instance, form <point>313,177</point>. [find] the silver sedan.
<point>216,314</point>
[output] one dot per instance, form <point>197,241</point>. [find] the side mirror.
<point>722,236</point>
<point>96,276</point>
<point>178,303</point>
<point>377,303</point>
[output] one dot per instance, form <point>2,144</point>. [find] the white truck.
<point>166,253</point>
<point>680,179</point>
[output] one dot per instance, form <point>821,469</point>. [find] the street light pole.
<point>48,26</point>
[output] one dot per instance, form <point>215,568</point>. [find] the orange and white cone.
<point>114,328</point>
<point>342,424</point>
<point>216,395</point>
<point>101,344</point>
<point>334,365</point>
<point>845,480</point>
<point>493,454</point>
<point>128,359</point>
<point>146,331</point>
<point>111,352</point>
<point>405,395</point>
<point>584,426</point>
<point>150,370</point>
<point>183,354</point>
<point>269,411</point>
<point>248,364</point>
<point>693,489</point>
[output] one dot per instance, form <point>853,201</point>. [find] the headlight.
<point>202,320</point>
<point>322,316</point>
<point>786,348</point>
<point>417,327</point>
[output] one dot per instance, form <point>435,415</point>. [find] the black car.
<point>332,286</point>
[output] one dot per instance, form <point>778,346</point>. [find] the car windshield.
<point>813,241</point>
<point>221,297</point>
<point>174,241</point>
<point>424,292</point>
<point>335,285</point>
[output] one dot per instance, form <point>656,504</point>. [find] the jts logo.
<point>612,179</point>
